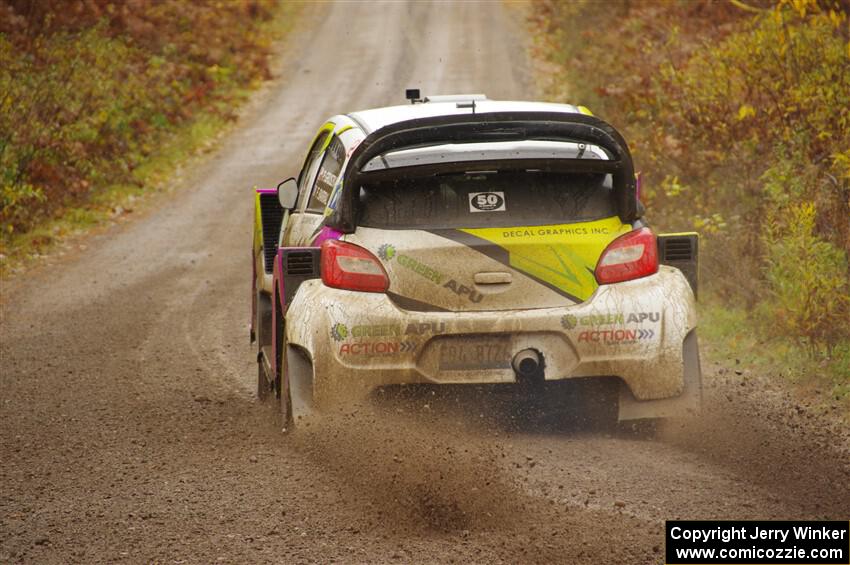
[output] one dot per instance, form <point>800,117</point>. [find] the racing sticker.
<point>387,252</point>
<point>623,337</point>
<point>562,257</point>
<point>398,337</point>
<point>569,321</point>
<point>377,348</point>
<point>341,332</point>
<point>486,201</point>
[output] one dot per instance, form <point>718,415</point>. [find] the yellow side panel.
<point>258,222</point>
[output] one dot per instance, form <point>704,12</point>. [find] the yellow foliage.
<point>807,278</point>
<point>745,111</point>
<point>749,108</point>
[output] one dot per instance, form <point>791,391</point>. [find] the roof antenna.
<point>412,94</point>
<point>467,105</point>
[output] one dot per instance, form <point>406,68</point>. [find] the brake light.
<point>350,267</point>
<point>630,256</point>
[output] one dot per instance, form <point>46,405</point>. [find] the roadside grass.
<point>731,337</point>
<point>175,149</point>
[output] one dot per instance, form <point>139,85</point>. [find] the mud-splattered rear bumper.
<point>633,330</point>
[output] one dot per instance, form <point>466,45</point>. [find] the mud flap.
<point>300,383</point>
<point>687,403</point>
<point>262,324</point>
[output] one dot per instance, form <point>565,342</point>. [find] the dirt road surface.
<point>129,430</point>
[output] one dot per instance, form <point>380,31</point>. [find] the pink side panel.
<point>326,234</point>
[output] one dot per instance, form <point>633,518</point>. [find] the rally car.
<point>460,240</point>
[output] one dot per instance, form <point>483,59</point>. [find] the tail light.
<point>350,267</point>
<point>630,256</point>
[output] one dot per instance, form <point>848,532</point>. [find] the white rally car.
<point>459,240</point>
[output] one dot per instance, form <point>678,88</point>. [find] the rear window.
<point>486,199</point>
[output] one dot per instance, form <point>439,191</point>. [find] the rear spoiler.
<point>489,127</point>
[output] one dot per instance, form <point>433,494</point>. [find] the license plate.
<point>470,353</point>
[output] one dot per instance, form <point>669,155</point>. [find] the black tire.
<point>264,386</point>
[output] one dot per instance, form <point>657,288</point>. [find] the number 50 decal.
<point>486,201</point>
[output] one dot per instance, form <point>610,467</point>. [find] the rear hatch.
<point>489,239</point>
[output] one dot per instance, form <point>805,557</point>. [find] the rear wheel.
<point>264,385</point>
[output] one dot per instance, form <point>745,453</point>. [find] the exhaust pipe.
<point>528,363</point>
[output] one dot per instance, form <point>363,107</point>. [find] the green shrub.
<point>738,115</point>
<point>73,107</point>
<point>773,94</point>
<point>87,94</point>
<point>807,279</point>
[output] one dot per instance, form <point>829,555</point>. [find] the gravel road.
<point>129,430</point>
